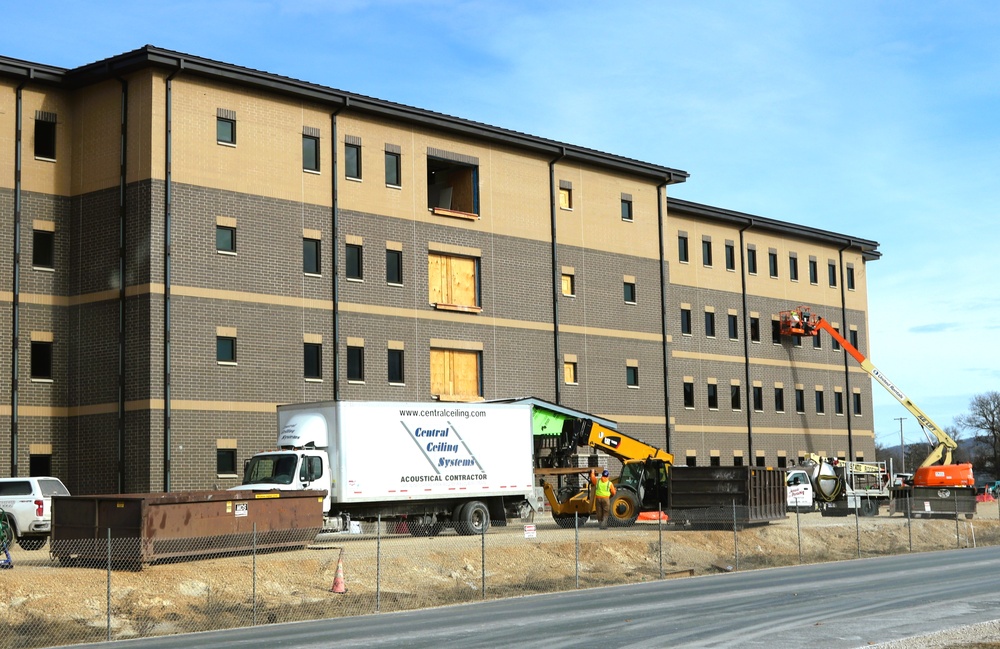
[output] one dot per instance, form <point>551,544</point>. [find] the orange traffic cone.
<point>338,580</point>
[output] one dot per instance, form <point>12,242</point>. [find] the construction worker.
<point>605,492</point>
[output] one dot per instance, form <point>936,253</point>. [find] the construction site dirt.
<point>45,603</point>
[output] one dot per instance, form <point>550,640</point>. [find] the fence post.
<point>659,525</point>
<point>378,563</point>
<point>736,543</point>
<point>254,573</point>
<point>857,523</point>
<point>909,519</point>
<point>576,533</point>
<point>798,532</point>
<point>958,538</point>
<point>109,585</point>
<point>482,539</point>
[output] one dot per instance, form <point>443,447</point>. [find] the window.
<point>779,399</point>
<point>706,252</point>
<point>713,396</point>
<point>754,329</point>
<point>682,247</point>
<point>395,362</point>
<point>852,337</point>
<point>734,397</point>
<point>813,272</point>
<point>751,260</point>
<point>565,195</point>
<point>710,324</point>
<point>691,459</point>
<point>632,376</point>
<point>832,272</point>
<point>730,256</point>
<point>800,400</point>
<point>737,460</point>
<point>225,461</point>
<point>760,460</point>
<point>775,332</point>
<point>793,268</point>
<point>352,160</point>
<point>569,372</point>
<point>772,263</point>
<point>225,239</point>
<point>734,331</point>
<point>452,183</point>
<point>629,292</point>
<point>626,208</point>
<point>817,342</point>
<point>313,360</point>
<point>686,322</point>
<point>568,284</point>
<point>394,267</point>
<point>225,130</point>
<point>355,363</point>
<point>45,135</point>
<point>758,398</point>
<point>455,374</point>
<point>820,406</point>
<point>796,341</point>
<point>836,343</point>
<point>41,359</point>
<point>850,277</point>
<point>43,249</point>
<point>688,394</point>
<point>393,168</point>
<point>355,261</point>
<point>225,349</point>
<point>782,462</point>
<point>714,460</point>
<point>311,256</point>
<point>857,404</point>
<point>453,282</point>
<point>310,153</point>
<point>838,403</point>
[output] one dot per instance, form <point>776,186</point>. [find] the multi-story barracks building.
<point>187,243</point>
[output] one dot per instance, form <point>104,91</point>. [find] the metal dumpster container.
<point>726,495</point>
<point>150,527</point>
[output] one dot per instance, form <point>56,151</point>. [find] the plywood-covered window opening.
<point>453,282</point>
<point>455,374</point>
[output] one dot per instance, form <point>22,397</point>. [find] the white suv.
<point>27,508</point>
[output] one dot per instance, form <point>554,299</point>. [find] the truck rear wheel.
<point>624,509</point>
<point>869,508</point>
<point>473,519</point>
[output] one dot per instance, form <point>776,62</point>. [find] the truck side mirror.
<point>793,482</point>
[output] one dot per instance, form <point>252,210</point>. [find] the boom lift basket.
<point>798,322</point>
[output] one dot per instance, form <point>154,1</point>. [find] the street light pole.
<point>902,446</point>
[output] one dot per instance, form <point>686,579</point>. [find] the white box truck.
<point>433,465</point>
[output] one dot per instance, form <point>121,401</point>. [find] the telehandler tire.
<point>624,509</point>
<point>568,522</point>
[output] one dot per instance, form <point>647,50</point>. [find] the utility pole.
<point>902,446</point>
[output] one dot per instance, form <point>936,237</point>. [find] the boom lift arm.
<point>617,445</point>
<point>803,322</point>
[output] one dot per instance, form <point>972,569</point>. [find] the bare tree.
<point>984,418</point>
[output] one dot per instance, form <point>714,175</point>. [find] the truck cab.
<point>800,491</point>
<point>303,461</point>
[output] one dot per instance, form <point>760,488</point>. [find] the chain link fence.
<point>114,588</point>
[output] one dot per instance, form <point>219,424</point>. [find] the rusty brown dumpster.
<point>145,528</point>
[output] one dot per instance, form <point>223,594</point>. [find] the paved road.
<point>834,605</point>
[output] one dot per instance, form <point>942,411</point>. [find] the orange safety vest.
<point>604,488</point>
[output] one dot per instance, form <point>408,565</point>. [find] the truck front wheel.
<point>624,509</point>
<point>474,518</point>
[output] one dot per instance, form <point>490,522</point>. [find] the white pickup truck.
<point>26,505</point>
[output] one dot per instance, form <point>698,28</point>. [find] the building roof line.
<point>150,55</point>
<point>868,248</point>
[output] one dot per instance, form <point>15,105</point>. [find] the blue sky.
<point>873,119</point>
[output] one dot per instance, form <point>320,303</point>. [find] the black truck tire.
<point>624,509</point>
<point>474,518</point>
<point>31,542</point>
<point>569,522</point>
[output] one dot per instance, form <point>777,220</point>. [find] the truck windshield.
<point>277,469</point>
